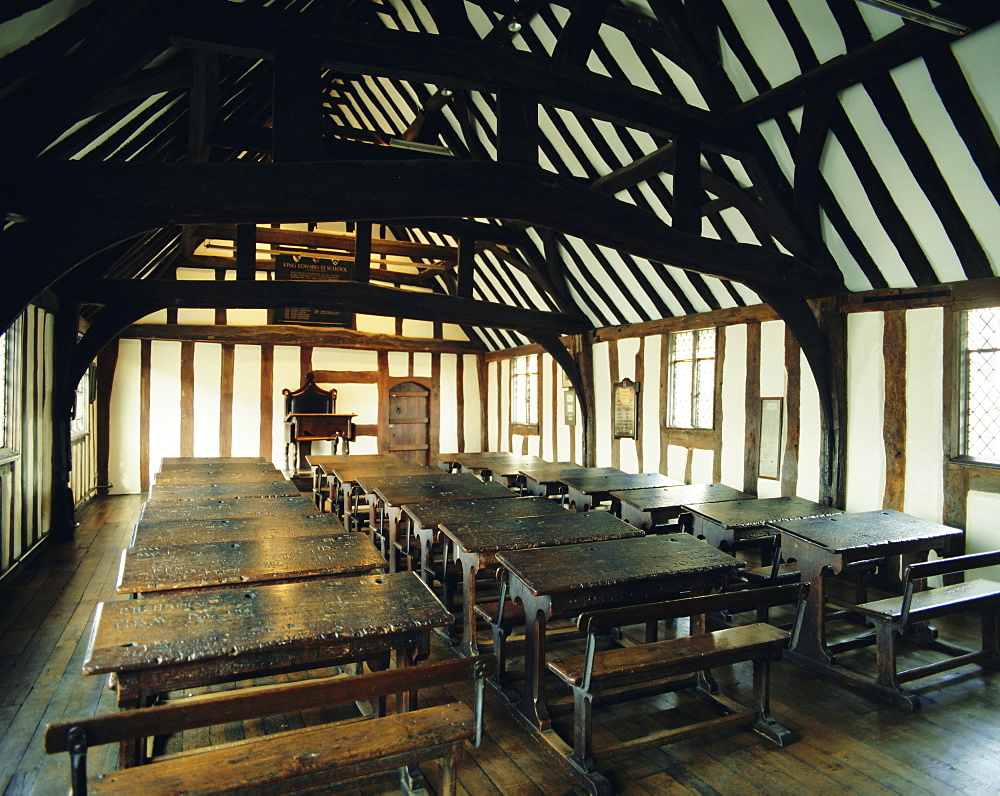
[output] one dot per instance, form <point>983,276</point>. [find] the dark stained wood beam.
<point>466,267</point>
<point>246,252</point>
<point>204,103</point>
<point>343,241</point>
<point>466,228</point>
<point>289,334</point>
<point>362,250</point>
<point>424,279</point>
<point>351,296</point>
<point>687,185</point>
<point>637,171</point>
<point>517,128</point>
<point>442,60</point>
<point>582,31</point>
<point>296,108</point>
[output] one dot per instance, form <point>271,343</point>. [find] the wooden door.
<point>409,422</point>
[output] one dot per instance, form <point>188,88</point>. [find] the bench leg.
<point>766,724</point>
<point>885,656</point>
<point>990,619</point>
<point>449,771</point>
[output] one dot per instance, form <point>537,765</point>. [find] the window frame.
<point>525,427</point>
<point>672,380</point>
<point>10,413</point>
<point>960,424</point>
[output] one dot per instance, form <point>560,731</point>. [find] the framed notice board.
<point>626,409</point>
<point>299,268</point>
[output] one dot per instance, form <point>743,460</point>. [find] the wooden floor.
<point>847,742</point>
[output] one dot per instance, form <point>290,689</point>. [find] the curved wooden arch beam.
<point>106,202</point>
<point>554,346</point>
<point>104,328</point>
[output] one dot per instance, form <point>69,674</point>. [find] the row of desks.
<point>248,585</point>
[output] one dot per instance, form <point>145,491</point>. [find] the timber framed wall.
<point>189,397</point>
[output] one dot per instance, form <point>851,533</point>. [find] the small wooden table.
<point>585,490</point>
<point>477,544</point>
<point>728,523</point>
<point>391,493</point>
<point>486,465</point>
<point>346,478</point>
<point>158,534</point>
<point>544,480</point>
<point>824,546</point>
<point>159,510</point>
<point>426,519</point>
<point>647,508</point>
<point>222,490</point>
<point>173,641</point>
<point>323,463</point>
<point>216,473</point>
<point>282,559</point>
<point>564,581</point>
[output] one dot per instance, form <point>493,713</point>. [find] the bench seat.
<point>343,752</point>
<point>933,603</point>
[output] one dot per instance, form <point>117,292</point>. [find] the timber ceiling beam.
<point>115,200</point>
<point>445,61</point>
<point>351,296</point>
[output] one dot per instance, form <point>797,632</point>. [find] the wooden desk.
<point>585,490</point>
<point>391,493</point>
<point>823,546</point>
<point>646,508</point>
<point>222,490</point>
<point>477,544</point>
<point>563,581</point>
<point>304,428</point>
<point>206,565</point>
<point>217,473</point>
<point>486,464</point>
<point>173,641</point>
<point>545,480</point>
<point>729,523</point>
<point>185,461</point>
<point>346,478</point>
<point>321,463</point>
<point>261,528</point>
<point>159,510</point>
<point>426,519</point>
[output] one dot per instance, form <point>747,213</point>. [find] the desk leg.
<point>811,646</point>
<point>130,753</point>
<point>470,566</point>
<point>425,538</point>
<point>532,705</point>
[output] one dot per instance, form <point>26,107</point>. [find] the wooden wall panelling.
<point>107,360</point>
<point>555,391</point>
<point>434,428</point>
<point>720,362</point>
<point>614,374</point>
<point>226,399</point>
<point>793,395</point>
<point>187,398</point>
<point>145,367</point>
<point>640,377</point>
<point>305,361</point>
<point>585,357</point>
<point>383,402</point>
<point>894,418</point>
<point>484,404</point>
<point>459,402</point>
<point>751,454</point>
<point>267,401</point>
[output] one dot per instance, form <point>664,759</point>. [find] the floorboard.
<point>848,743</point>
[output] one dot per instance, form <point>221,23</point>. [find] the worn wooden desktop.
<point>216,490</point>
<point>149,569</point>
<point>347,478</point>
<point>486,465</point>
<point>426,519</point>
<point>322,464</point>
<point>217,473</point>
<point>544,480</point>
<point>477,543</point>
<point>155,511</point>
<point>585,490</point>
<point>728,523</point>
<point>564,581</point>
<point>390,493</point>
<point>185,461</point>
<point>824,546</point>
<point>647,508</point>
<point>231,529</point>
<point>174,641</point>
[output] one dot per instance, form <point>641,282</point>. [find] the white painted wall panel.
<point>772,359</point>
<point>473,405</point>
<point>246,400</point>
<point>810,433</point>
<point>504,405</point>
<point>701,466</point>
<point>207,398</point>
<point>866,401</point>
<point>547,414</point>
<point>734,379</point>
<point>602,404</point>
<point>493,405</point>
<point>448,430</point>
<point>676,461</point>
<point>422,365</point>
<point>399,364</point>
<point>981,532</point>
<point>164,402</point>
<point>924,488</point>
<point>196,316</point>
<point>287,375</point>
<point>344,359</point>
<point>123,456</point>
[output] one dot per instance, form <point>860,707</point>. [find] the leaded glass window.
<point>524,390</point>
<point>982,383</point>
<point>692,379</point>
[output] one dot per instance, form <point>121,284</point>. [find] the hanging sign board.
<point>626,408</point>
<point>296,268</point>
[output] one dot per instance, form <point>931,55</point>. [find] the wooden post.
<point>63,400</point>
<point>362,251</point>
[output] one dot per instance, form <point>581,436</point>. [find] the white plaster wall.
<point>701,466</point>
<point>287,373</point>
<point>546,410</point>
<point>676,461</point>
<point>602,404</point>
<point>493,403</point>
<point>504,405</point>
<point>628,349</point>
<point>123,464</point>
<point>773,380</point>
<point>651,388</point>
<point>422,367</point>
<point>865,401</point>
<point>164,402</point>
<point>207,398</point>
<point>246,400</point>
<point>448,428</point>
<point>734,379</point>
<point>981,531</point>
<point>399,364</point>
<point>924,485</point>
<point>810,433</point>
<point>473,404</point>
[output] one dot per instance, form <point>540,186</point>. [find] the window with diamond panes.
<point>3,389</point>
<point>692,379</point>
<point>524,391</point>
<point>982,383</point>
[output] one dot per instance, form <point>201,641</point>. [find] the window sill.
<point>8,455</point>
<point>969,461</point>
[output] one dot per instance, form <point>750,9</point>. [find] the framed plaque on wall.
<point>625,401</point>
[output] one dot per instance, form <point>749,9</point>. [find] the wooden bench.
<point>290,760</point>
<point>633,672</point>
<point>896,616</point>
